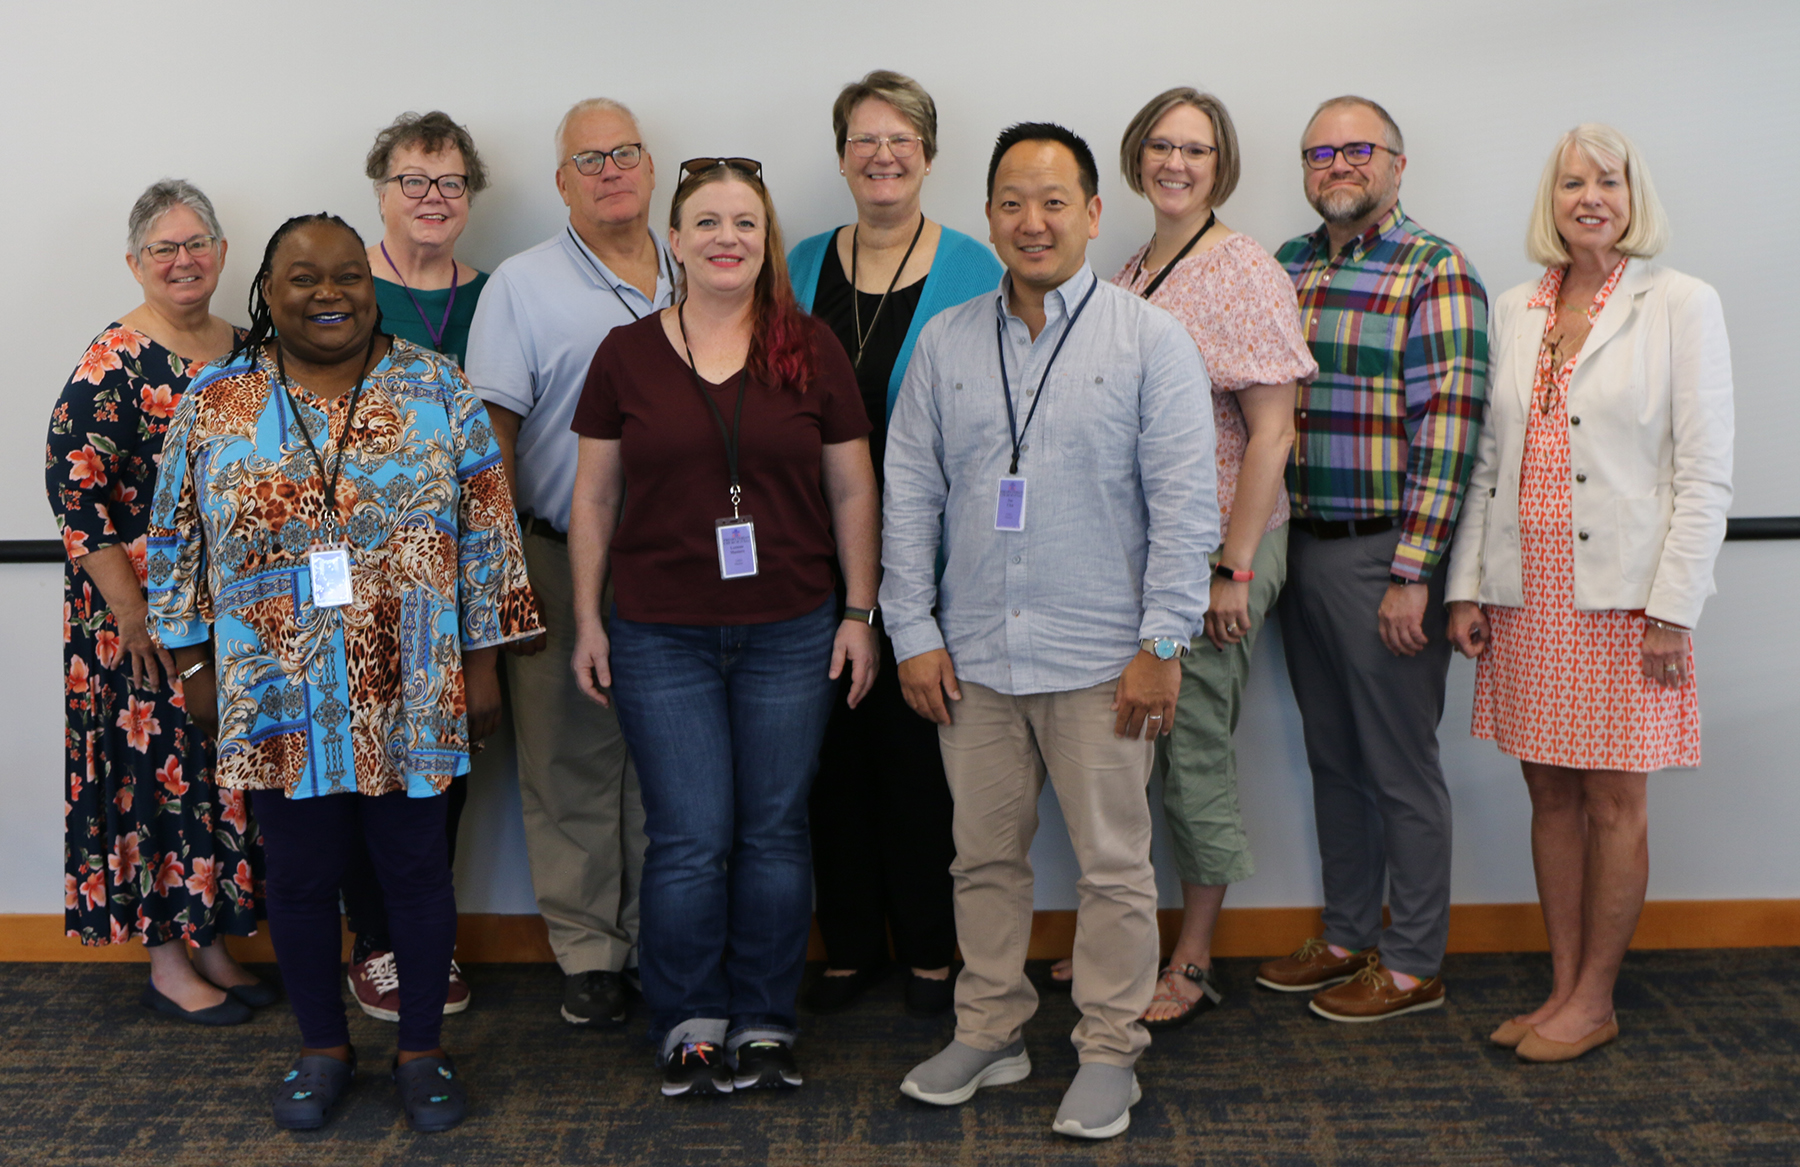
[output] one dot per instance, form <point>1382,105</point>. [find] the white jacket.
<point>1650,431</point>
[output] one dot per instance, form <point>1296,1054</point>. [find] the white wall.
<point>271,108</point>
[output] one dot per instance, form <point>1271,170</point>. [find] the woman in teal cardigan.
<point>880,806</point>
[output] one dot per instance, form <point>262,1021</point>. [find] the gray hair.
<point>1395,140</point>
<point>158,199</point>
<point>588,105</point>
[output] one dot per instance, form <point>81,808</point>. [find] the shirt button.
<point>1302,413</point>
<point>1018,559</point>
<point>1016,611</point>
<point>1025,449</point>
<point>1099,380</point>
<point>959,384</point>
<point>1582,537</point>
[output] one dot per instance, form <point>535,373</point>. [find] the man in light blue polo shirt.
<point>542,316</point>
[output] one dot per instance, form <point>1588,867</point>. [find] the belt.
<point>532,525</point>
<point>1343,528</point>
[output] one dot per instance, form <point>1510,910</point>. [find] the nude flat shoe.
<point>1537,1048</point>
<point>1510,1034</point>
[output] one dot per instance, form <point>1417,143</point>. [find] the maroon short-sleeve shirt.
<point>665,563</point>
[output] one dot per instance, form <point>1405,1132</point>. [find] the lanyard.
<point>436,334</point>
<point>337,464</point>
<point>737,422</point>
<point>1179,256</point>
<point>1018,434</point>
<point>612,287</point>
<point>862,338</point>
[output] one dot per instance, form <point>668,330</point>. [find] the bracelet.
<point>1232,574</point>
<point>1665,625</point>
<point>184,674</point>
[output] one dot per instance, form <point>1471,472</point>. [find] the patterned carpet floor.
<point>1707,1071</point>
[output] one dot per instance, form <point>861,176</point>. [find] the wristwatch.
<point>861,615</point>
<point>1164,647</point>
<point>1233,574</point>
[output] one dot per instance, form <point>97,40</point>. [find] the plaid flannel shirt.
<point>1398,323</point>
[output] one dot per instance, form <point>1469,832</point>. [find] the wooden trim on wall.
<point>490,938</point>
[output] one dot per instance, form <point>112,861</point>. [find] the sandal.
<point>1209,997</point>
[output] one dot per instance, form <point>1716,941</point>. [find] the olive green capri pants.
<point>1197,760</point>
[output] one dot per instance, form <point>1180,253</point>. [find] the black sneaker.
<point>594,998</point>
<point>698,1067</point>
<point>926,997</point>
<point>765,1065</point>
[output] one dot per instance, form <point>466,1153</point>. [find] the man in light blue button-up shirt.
<point>1053,443</point>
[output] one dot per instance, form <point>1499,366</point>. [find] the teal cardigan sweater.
<point>961,270</point>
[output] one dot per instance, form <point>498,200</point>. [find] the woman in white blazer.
<point>1585,551</point>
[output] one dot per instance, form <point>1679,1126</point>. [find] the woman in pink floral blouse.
<point>154,849</point>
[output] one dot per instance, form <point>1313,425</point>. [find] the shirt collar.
<point>1359,246</point>
<point>1059,302</point>
<point>591,265</point>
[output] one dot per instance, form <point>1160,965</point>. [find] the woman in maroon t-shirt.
<point>724,468</point>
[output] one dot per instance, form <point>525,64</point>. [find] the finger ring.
<point>1671,668</point>
<point>1231,627</point>
<point>1156,717</point>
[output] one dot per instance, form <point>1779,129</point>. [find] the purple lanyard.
<point>436,334</point>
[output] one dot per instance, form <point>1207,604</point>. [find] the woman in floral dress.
<point>154,849</point>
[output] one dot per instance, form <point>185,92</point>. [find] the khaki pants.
<point>584,819</point>
<point>996,754</point>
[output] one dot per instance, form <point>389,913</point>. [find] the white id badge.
<point>737,547</point>
<point>330,568</point>
<point>1009,512</point>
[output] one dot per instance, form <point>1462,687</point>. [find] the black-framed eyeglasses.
<point>164,250</point>
<point>1355,153</point>
<point>748,166</point>
<point>417,186</point>
<point>869,145</point>
<point>1193,153</point>
<point>592,162</point>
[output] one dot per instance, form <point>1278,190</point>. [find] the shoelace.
<point>1370,974</point>
<point>762,1045</point>
<point>383,973</point>
<point>704,1050</point>
<point>1309,949</point>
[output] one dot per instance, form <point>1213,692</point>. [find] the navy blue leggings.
<point>309,844</point>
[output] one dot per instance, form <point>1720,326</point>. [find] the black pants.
<point>309,843</point>
<point>365,911</point>
<point>881,840</point>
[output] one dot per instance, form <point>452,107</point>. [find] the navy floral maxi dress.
<point>153,849</point>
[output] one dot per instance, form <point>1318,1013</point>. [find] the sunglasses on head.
<point>748,166</point>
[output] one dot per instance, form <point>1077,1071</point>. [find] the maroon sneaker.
<point>375,983</point>
<point>458,997</point>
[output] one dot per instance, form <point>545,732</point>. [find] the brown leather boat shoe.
<point>1313,966</point>
<point>1536,1048</point>
<point>1372,995</point>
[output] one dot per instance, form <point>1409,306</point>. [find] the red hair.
<point>781,335</point>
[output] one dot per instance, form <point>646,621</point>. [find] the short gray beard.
<point>1340,207</point>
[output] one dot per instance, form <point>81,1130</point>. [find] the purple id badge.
<point>1009,513</point>
<point>737,546</point>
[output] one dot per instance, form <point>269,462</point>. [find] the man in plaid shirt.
<point>1384,445</point>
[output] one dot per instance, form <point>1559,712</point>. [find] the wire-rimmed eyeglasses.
<point>164,250</point>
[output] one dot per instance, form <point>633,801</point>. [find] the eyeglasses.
<point>417,186</point>
<point>164,250</point>
<point>592,162</point>
<point>869,145</point>
<point>1355,153</point>
<point>1193,153</point>
<point>748,166</point>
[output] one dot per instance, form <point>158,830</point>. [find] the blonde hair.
<point>1647,233</point>
<point>1225,173</point>
<point>898,90</point>
<point>588,105</point>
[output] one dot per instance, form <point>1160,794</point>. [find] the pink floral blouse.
<point>1239,306</point>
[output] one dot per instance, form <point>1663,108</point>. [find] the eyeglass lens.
<point>1355,153</point>
<point>200,246</point>
<point>417,186</point>
<point>868,145</point>
<point>1193,152</point>
<point>592,162</point>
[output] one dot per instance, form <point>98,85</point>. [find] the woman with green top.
<point>426,172</point>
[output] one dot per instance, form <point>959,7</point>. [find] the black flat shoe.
<point>431,1093</point>
<point>835,994</point>
<point>257,995</point>
<point>310,1089</point>
<point>926,997</point>
<point>230,1011</point>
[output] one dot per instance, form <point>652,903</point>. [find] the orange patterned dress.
<point>1558,686</point>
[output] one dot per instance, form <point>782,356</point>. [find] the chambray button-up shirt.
<point>1121,505</point>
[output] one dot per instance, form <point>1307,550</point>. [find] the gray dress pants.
<point>1371,718</point>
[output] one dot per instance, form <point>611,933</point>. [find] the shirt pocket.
<point>1092,418</point>
<point>972,409</point>
<point>1375,341</point>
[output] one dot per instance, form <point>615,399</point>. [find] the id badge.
<point>1009,512</point>
<point>330,567</point>
<point>737,547</point>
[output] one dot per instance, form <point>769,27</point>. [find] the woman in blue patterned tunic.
<point>153,849</point>
<point>334,562</point>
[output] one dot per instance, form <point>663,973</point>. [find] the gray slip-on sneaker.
<point>1098,1102</point>
<point>958,1070</point>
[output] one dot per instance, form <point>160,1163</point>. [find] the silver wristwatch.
<point>1164,647</point>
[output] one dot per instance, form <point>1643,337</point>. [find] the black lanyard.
<point>612,287</point>
<point>1018,435</point>
<point>337,464</point>
<point>862,338</point>
<point>1179,256</point>
<point>737,422</point>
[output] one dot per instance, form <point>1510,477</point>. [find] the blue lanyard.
<point>1012,425</point>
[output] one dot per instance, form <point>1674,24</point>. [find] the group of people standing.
<point>928,521</point>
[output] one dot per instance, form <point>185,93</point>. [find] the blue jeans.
<point>724,724</point>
